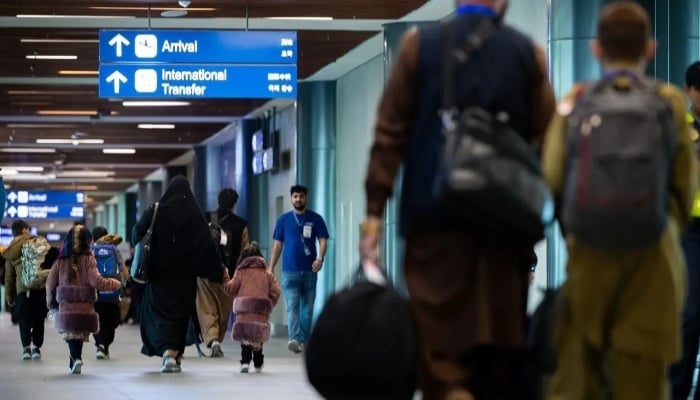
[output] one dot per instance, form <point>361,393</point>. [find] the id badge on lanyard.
<point>305,234</point>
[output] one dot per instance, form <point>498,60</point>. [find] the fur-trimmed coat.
<point>255,291</point>
<point>75,295</point>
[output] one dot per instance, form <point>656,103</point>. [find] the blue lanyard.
<point>475,9</point>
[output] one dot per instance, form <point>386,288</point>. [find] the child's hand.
<point>226,277</point>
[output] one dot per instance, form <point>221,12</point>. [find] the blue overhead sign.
<point>197,81</point>
<point>45,211</point>
<point>194,47</point>
<point>44,197</point>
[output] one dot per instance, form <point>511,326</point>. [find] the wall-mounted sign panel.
<point>177,81</point>
<point>175,46</point>
<point>45,211</point>
<point>45,197</point>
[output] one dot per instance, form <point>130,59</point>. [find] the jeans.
<point>682,372</point>
<point>299,294</point>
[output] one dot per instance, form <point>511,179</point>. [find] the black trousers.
<point>75,347</point>
<point>248,354</point>
<point>110,318</point>
<point>30,312</point>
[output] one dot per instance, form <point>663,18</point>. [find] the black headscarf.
<point>183,242</point>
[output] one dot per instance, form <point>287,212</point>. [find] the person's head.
<point>77,241</point>
<point>251,250</point>
<point>298,194</point>
<point>624,34</point>
<point>19,227</point>
<point>692,86</point>
<point>228,198</point>
<point>98,232</point>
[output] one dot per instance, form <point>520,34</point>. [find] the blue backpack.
<point>109,267</point>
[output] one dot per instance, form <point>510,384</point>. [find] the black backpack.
<point>488,176</point>
<point>620,147</point>
<point>364,345</point>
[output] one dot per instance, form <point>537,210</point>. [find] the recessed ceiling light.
<point>70,141</point>
<point>27,150</point>
<point>136,103</point>
<point>67,112</point>
<point>8,171</point>
<point>173,13</point>
<point>49,92</point>
<point>119,151</point>
<point>23,168</point>
<point>84,174</point>
<point>50,57</point>
<point>127,8</point>
<point>302,18</point>
<point>156,126</point>
<point>69,16</point>
<point>77,72</point>
<point>32,40</point>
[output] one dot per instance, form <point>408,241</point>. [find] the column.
<point>392,243</point>
<point>149,192</point>
<point>316,133</point>
<point>677,29</point>
<point>132,214</point>
<point>207,176</point>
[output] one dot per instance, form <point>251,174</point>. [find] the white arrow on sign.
<point>12,197</point>
<point>12,212</point>
<point>118,41</point>
<point>116,77</point>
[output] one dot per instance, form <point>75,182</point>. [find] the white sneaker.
<point>259,369</point>
<point>216,349</point>
<point>170,365</point>
<point>294,346</point>
<point>101,354</point>
<point>244,368</point>
<point>77,367</point>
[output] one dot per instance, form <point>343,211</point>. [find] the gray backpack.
<point>621,144</point>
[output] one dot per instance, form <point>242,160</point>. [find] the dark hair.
<point>77,242</point>
<point>18,226</point>
<point>298,189</point>
<point>692,75</point>
<point>98,232</point>
<point>228,198</point>
<point>251,250</point>
<point>624,29</point>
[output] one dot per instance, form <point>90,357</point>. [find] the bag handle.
<point>476,39</point>
<point>153,219</point>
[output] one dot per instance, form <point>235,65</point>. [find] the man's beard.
<point>299,206</point>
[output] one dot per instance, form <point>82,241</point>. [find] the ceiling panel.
<point>30,87</point>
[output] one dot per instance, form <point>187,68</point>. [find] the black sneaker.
<point>36,353</point>
<point>27,353</point>
<point>102,353</point>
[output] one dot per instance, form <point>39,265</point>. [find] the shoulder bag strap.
<point>486,28</point>
<point>153,219</point>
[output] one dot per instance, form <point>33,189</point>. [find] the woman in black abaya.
<point>182,251</point>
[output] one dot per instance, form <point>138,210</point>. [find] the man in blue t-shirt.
<point>297,231</point>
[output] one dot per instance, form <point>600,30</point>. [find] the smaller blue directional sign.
<point>44,211</point>
<point>46,197</point>
<point>175,46</point>
<point>158,81</point>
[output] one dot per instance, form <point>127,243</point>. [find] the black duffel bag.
<point>364,343</point>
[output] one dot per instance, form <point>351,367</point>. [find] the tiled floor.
<point>128,375</point>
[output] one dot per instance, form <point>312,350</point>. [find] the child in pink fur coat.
<point>255,291</point>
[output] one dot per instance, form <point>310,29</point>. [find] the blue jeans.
<point>682,372</point>
<point>299,294</point>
